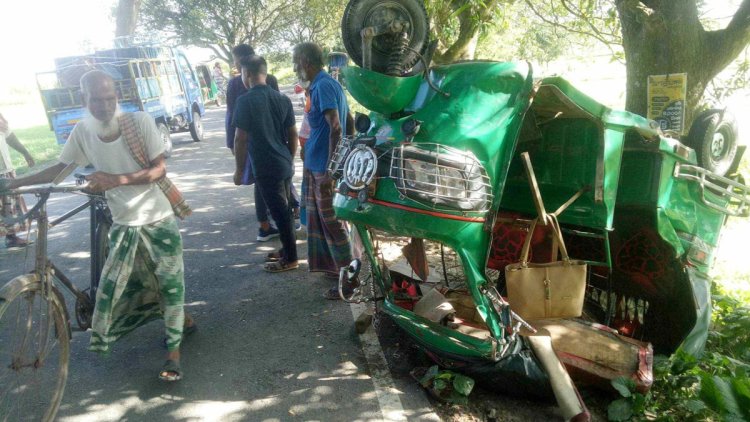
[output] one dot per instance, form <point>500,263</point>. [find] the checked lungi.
<point>327,238</point>
<point>12,206</point>
<point>142,280</point>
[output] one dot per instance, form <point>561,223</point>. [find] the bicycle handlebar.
<point>41,189</point>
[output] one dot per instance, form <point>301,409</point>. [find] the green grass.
<point>41,143</point>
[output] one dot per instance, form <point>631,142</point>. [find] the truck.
<point>156,79</point>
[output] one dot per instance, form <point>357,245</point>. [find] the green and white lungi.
<point>142,280</point>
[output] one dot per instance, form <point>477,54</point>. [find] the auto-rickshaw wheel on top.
<point>713,136</point>
<point>399,29</point>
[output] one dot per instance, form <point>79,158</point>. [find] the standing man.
<point>12,206</point>
<point>327,238</point>
<point>235,89</point>
<point>143,277</point>
<point>267,133</point>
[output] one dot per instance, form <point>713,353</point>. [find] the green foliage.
<point>713,387</point>
<point>631,403</point>
<point>40,142</point>
<point>219,24</point>
<point>728,83</point>
<point>446,385</point>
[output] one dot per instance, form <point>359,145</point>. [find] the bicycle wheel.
<point>34,351</point>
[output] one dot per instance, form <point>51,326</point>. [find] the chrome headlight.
<point>441,176</point>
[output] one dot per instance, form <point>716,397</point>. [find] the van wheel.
<point>196,127</point>
<point>713,136</point>
<point>166,138</point>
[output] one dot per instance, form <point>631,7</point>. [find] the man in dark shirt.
<point>235,89</point>
<point>267,133</point>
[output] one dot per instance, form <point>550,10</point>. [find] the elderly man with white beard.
<point>143,277</point>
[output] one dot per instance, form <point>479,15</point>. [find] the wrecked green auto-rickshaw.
<point>434,186</point>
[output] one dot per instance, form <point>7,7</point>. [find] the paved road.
<point>269,347</point>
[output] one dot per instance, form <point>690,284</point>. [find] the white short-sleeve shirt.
<point>6,166</point>
<point>131,205</point>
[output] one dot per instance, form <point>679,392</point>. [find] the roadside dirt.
<point>484,405</point>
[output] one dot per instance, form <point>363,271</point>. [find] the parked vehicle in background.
<point>299,93</point>
<point>156,79</point>
<point>214,90</point>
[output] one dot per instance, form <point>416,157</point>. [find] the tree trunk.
<point>470,21</point>
<point>665,37</point>
<point>126,17</point>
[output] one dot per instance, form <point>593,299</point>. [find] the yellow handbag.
<point>546,290</point>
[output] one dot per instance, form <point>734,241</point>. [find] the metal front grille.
<point>336,165</point>
<point>442,177</point>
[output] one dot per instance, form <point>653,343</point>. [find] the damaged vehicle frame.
<point>438,161</point>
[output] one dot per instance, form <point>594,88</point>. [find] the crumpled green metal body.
<point>575,143</point>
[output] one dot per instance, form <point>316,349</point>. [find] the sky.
<point>34,32</point>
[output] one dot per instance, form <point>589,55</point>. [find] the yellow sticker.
<point>666,100</point>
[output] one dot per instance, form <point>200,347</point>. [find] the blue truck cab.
<point>155,79</point>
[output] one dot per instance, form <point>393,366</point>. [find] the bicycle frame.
<point>43,266</point>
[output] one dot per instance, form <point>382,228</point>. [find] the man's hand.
<point>100,181</point>
<point>30,161</point>
<point>238,177</point>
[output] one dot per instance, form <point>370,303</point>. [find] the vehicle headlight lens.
<point>441,176</point>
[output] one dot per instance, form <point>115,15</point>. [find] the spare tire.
<point>361,14</point>
<point>713,136</point>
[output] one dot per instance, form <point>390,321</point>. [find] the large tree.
<point>458,24</point>
<point>654,37</point>
<point>219,24</point>
<point>667,36</point>
<point>318,21</point>
<point>126,17</point>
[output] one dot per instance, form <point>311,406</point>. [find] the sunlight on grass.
<point>41,143</point>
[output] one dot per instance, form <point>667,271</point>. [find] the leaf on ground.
<point>622,386</point>
<point>463,384</point>
<point>619,410</point>
<point>717,393</point>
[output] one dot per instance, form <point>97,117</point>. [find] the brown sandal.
<point>280,266</point>
<point>274,256</point>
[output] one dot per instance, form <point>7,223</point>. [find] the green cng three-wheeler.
<point>435,190</point>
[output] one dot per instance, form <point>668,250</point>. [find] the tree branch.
<point>724,45</point>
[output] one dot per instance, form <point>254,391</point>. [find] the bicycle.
<point>35,330</point>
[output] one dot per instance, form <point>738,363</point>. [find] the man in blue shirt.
<point>327,238</point>
<point>267,134</point>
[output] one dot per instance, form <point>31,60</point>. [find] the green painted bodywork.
<point>574,143</point>
<point>380,93</point>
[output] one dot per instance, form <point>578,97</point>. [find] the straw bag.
<point>549,290</point>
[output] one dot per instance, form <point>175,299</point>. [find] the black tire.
<point>166,138</point>
<point>84,313</point>
<point>196,127</point>
<point>363,13</point>
<point>713,136</point>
